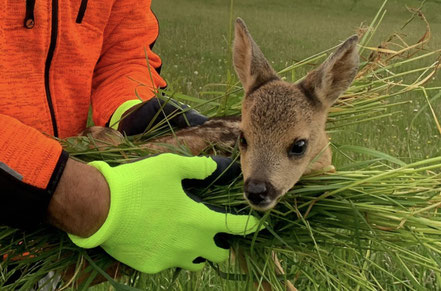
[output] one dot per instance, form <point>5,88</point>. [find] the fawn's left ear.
<point>333,77</point>
<point>251,66</point>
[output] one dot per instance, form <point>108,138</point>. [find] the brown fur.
<point>103,136</point>
<point>222,132</point>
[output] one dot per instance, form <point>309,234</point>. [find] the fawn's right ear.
<point>335,75</point>
<point>251,66</point>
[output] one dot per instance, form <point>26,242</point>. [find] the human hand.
<point>153,224</point>
<point>137,118</point>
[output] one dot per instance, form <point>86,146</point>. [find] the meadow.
<point>195,38</point>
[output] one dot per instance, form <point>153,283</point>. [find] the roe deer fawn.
<point>283,125</point>
<point>282,128</point>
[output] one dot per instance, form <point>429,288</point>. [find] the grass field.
<point>194,44</point>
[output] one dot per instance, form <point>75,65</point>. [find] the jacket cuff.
<point>23,205</point>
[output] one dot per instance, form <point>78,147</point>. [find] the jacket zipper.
<point>50,54</point>
<point>81,12</point>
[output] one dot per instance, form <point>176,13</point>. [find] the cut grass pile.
<point>374,224</point>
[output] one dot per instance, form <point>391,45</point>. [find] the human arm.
<point>31,165</point>
<point>39,183</point>
<point>81,201</point>
<point>148,221</point>
<point>127,76</point>
<point>127,66</point>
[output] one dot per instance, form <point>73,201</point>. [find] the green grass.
<point>194,45</point>
<point>194,34</point>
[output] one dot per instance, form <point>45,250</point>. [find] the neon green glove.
<point>153,224</point>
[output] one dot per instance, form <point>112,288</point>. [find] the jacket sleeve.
<point>31,165</point>
<point>127,65</point>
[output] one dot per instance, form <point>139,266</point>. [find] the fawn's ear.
<point>334,76</point>
<point>251,66</point>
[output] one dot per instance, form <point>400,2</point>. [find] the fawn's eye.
<point>298,148</point>
<point>242,140</point>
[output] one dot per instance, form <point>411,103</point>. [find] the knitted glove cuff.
<point>117,115</point>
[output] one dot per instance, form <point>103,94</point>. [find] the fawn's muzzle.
<point>260,194</point>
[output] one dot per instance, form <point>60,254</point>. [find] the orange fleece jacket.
<point>59,56</point>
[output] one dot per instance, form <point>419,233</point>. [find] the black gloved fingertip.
<point>225,173</point>
<point>199,260</point>
<point>221,240</point>
<point>226,170</point>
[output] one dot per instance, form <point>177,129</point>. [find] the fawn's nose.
<point>258,192</point>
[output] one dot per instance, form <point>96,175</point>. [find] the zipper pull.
<point>29,20</point>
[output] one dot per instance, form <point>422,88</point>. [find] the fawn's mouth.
<point>263,206</point>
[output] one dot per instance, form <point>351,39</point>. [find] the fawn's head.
<point>283,124</point>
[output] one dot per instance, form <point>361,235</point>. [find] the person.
<point>57,59</point>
